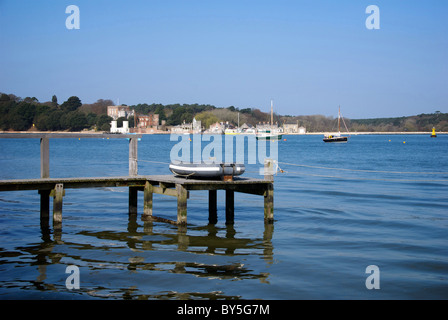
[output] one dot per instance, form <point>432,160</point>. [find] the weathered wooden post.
<point>133,156</point>
<point>212,207</point>
<point>44,203</point>
<point>182,195</point>
<point>269,192</point>
<point>44,157</point>
<point>44,173</point>
<point>133,171</point>
<point>269,169</point>
<point>269,203</point>
<point>230,206</point>
<point>147,200</point>
<point>133,199</point>
<point>44,208</point>
<point>58,194</point>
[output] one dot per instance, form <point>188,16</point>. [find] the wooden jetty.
<point>160,184</point>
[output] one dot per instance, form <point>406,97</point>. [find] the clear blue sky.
<point>308,56</point>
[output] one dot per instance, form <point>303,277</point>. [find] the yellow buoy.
<point>404,141</point>
<point>433,135</point>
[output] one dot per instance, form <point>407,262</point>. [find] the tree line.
<point>421,122</point>
<point>72,115</point>
<point>19,114</point>
<point>23,114</point>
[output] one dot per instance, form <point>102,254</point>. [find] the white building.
<point>196,126</point>
<point>116,112</point>
<point>115,129</point>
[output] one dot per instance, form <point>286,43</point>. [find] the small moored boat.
<point>207,170</point>
<point>336,137</point>
<point>271,132</point>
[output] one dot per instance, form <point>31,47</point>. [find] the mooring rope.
<point>364,179</point>
<point>160,162</point>
<point>278,169</point>
<point>360,170</point>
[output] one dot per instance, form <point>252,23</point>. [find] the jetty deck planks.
<point>161,184</point>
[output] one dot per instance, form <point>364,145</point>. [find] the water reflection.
<point>152,246</point>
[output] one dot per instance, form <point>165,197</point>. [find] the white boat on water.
<point>271,132</point>
<point>269,135</point>
<point>206,170</point>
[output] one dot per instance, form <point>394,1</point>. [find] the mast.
<point>339,120</point>
<point>272,114</point>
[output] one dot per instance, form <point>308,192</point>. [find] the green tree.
<point>161,112</point>
<point>207,119</point>
<point>103,122</point>
<point>72,104</point>
<point>41,122</point>
<point>74,121</point>
<point>54,120</point>
<point>4,97</point>
<point>91,119</point>
<point>54,101</point>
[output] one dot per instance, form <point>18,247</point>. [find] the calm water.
<point>330,224</point>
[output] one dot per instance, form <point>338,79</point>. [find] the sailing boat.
<point>270,133</point>
<point>336,137</point>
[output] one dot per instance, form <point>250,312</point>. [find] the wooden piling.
<point>181,204</point>
<point>44,209</point>
<point>58,194</point>
<point>269,204</point>
<point>147,200</point>
<point>44,203</point>
<point>212,207</point>
<point>133,199</point>
<point>230,206</point>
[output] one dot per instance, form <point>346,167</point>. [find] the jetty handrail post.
<point>133,156</point>
<point>268,169</point>
<point>269,192</point>
<point>44,173</point>
<point>44,157</point>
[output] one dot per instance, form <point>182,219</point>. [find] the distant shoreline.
<point>369,133</point>
<point>285,134</point>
